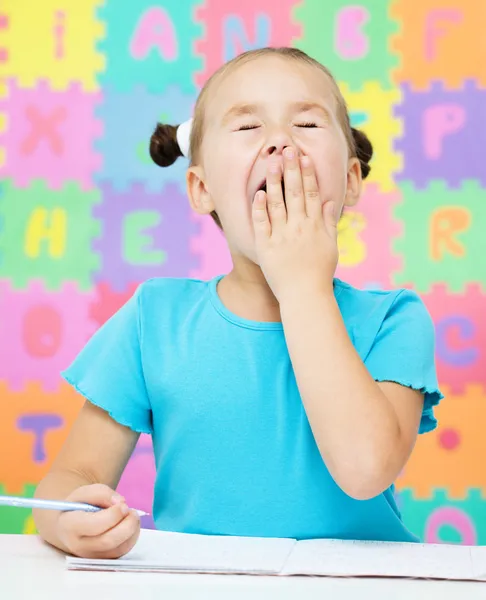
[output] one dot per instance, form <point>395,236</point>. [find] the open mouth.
<point>263,186</point>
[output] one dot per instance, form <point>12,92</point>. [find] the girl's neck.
<point>246,293</point>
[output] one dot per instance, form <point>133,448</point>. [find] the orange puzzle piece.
<point>33,427</point>
<point>440,40</point>
<point>451,456</point>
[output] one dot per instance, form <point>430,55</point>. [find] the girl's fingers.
<point>330,218</point>
<point>261,221</point>
<point>112,539</point>
<point>294,190</point>
<point>94,524</point>
<point>275,199</point>
<point>312,197</point>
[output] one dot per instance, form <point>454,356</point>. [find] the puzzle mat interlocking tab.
<point>439,40</point>
<point>460,335</point>
<point>35,423</point>
<point>50,135</point>
<point>365,233</point>
<point>53,39</point>
<point>448,456</point>
<point>43,333</point>
<point>442,519</point>
<point>448,241</point>
<point>150,45</point>
<point>47,234</point>
<point>17,520</point>
<point>351,39</point>
<point>124,144</point>
<point>143,235</point>
<point>268,23</point>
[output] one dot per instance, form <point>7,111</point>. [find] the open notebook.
<point>178,552</point>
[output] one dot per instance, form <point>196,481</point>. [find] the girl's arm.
<point>96,451</point>
<point>365,430</point>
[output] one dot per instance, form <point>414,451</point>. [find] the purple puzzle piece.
<point>444,134</point>
<point>144,235</point>
<point>138,479</point>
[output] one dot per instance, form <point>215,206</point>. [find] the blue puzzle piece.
<point>129,120</point>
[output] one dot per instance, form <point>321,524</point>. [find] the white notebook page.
<point>382,559</point>
<point>158,550</point>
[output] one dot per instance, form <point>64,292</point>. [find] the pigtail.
<point>364,150</point>
<point>164,145</point>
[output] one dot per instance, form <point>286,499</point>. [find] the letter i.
<point>59,34</point>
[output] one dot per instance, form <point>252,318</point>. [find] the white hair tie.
<point>184,137</point>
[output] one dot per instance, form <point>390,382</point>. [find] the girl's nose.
<point>277,141</point>
<point>276,150</point>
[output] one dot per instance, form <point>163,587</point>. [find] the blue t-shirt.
<point>234,451</point>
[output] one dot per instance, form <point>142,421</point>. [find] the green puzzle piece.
<point>443,235</point>
<point>47,235</point>
<point>13,520</point>
<point>351,40</point>
<point>457,518</point>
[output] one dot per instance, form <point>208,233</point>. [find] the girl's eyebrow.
<point>239,110</point>
<point>308,106</point>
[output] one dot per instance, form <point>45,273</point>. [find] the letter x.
<point>44,126</point>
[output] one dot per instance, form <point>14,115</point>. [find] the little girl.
<point>282,402</point>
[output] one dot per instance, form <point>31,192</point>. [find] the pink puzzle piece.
<point>460,337</point>
<point>211,247</point>
<point>138,479</point>
<point>41,333</point>
<point>366,232</point>
<point>50,135</point>
<point>232,27</point>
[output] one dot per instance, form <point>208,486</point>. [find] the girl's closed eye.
<point>247,126</point>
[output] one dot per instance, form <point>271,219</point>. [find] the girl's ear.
<point>354,183</point>
<point>199,197</point>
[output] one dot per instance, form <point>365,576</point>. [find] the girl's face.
<point>255,112</point>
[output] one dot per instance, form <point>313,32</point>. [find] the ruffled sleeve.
<point>108,371</point>
<point>403,352</point>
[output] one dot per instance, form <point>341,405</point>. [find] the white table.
<point>30,568</point>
